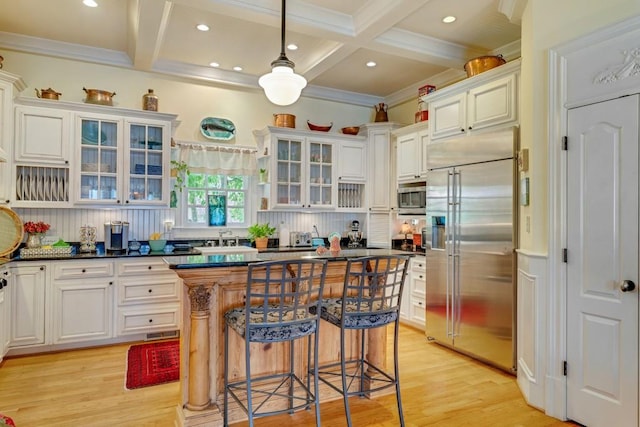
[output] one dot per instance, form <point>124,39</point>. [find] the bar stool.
<point>371,299</point>
<point>282,300</point>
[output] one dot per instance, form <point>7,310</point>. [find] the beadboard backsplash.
<point>66,223</point>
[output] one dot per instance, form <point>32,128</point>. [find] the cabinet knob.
<point>118,201</point>
<point>150,290</point>
<point>150,320</point>
<point>42,268</point>
<point>149,267</point>
<point>126,201</point>
<point>66,162</point>
<point>470,128</point>
<point>110,283</point>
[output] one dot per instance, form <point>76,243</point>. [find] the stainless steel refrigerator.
<point>470,249</point>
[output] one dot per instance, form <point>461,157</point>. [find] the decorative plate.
<point>11,231</point>
<point>215,128</point>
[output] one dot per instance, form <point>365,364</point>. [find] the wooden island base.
<point>210,292</point>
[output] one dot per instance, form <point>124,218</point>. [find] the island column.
<point>199,346</point>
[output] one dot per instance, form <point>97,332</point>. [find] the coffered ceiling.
<point>336,38</point>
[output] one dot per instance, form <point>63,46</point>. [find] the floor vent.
<point>162,335</point>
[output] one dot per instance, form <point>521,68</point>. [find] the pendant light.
<point>282,85</point>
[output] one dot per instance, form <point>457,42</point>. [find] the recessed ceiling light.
<point>371,64</point>
<point>202,27</point>
<point>292,46</point>
<point>214,64</point>
<point>448,19</point>
<point>237,68</point>
<point>90,3</point>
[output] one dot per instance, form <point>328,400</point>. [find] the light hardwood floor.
<point>86,388</point>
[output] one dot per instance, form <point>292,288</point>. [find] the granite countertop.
<point>244,259</point>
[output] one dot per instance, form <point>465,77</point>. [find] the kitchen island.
<point>213,284</point>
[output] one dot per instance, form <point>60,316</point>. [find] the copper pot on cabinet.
<point>47,94</point>
<point>284,120</point>
<point>102,97</point>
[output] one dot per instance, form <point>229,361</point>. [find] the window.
<point>215,200</point>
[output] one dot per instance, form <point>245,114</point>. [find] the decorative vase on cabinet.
<point>34,240</point>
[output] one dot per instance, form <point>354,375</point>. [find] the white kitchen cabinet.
<point>42,135</point>
<point>92,155</point>
<point>381,162</point>
<point>4,311</point>
<point>352,161</point>
<point>148,297</point>
<point>82,301</point>
<point>304,171</point>
<point>412,309</point>
<point>28,283</point>
<point>10,86</point>
<point>487,100</point>
<point>411,152</point>
<point>122,161</point>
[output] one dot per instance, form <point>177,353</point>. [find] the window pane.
<point>236,198</point>
<point>195,180</point>
<point>236,216</point>
<point>197,197</point>
<point>235,182</point>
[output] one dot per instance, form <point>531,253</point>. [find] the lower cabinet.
<point>82,301</point>
<point>148,297</point>
<point>4,312</point>
<point>28,282</point>
<point>412,309</point>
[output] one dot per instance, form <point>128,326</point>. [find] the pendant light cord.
<point>282,59</point>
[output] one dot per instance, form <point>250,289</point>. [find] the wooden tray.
<point>11,231</point>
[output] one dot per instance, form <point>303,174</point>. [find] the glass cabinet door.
<point>320,174</point>
<point>146,160</point>
<point>98,160</point>
<point>289,172</point>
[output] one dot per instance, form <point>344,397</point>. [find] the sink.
<point>213,250</point>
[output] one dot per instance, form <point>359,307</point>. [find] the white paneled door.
<point>602,263</point>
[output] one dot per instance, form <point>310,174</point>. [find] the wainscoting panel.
<point>531,324</point>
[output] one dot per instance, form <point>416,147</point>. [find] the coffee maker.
<point>355,235</point>
<point>116,236</point>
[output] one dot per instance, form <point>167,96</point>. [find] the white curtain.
<point>218,159</point>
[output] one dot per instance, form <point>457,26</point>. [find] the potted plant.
<point>264,177</point>
<point>179,171</point>
<point>260,234</point>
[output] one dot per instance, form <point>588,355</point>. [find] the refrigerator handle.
<point>457,303</point>
<point>447,244</point>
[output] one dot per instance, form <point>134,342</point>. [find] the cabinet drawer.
<point>128,268</point>
<point>417,310</point>
<point>165,317</point>
<point>152,289</point>
<point>82,269</point>
<point>419,264</point>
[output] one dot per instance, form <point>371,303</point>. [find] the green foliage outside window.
<point>200,186</point>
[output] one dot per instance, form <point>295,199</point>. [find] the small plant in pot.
<point>260,234</point>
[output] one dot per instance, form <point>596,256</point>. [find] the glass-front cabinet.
<point>321,172</point>
<point>99,159</point>
<point>299,170</point>
<point>122,161</point>
<point>304,173</point>
<point>148,159</point>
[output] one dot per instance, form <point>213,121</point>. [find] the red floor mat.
<point>153,363</point>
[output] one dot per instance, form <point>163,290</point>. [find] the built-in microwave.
<point>412,199</point>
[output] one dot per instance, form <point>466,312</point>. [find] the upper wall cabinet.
<point>304,170</point>
<point>486,100</point>
<point>10,86</point>
<point>411,152</point>
<point>42,135</point>
<point>84,154</point>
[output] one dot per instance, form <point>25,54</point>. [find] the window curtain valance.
<point>217,159</point>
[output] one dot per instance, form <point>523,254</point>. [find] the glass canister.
<point>150,101</point>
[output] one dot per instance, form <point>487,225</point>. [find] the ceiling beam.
<point>148,23</point>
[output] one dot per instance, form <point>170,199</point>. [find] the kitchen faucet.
<point>221,233</point>
<point>316,230</point>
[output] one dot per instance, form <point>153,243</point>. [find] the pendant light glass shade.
<point>282,85</point>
